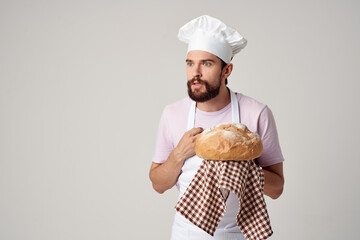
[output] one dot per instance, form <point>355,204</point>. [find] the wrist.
<point>178,156</point>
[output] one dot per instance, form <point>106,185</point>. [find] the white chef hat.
<point>211,35</point>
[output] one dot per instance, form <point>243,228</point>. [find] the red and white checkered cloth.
<point>203,202</point>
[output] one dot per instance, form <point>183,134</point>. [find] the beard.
<point>211,90</point>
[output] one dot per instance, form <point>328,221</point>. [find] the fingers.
<point>195,131</point>
<point>186,145</point>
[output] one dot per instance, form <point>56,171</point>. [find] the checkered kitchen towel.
<point>203,202</point>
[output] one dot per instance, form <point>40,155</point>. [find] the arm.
<point>274,180</point>
<point>271,157</point>
<point>164,176</point>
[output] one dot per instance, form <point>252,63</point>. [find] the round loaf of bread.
<point>228,141</point>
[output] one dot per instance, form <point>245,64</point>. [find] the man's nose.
<point>197,71</point>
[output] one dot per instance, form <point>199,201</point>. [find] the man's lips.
<point>197,85</point>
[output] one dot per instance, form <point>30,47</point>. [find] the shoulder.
<point>251,110</point>
<point>174,119</point>
<point>174,115</point>
<point>177,108</point>
<point>250,103</point>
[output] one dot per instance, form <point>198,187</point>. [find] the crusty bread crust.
<point>228,141</point>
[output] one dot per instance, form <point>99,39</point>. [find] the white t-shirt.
<point>255,115</point>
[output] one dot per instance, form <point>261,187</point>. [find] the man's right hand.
<point>164,176</point>
<point>186,146</point>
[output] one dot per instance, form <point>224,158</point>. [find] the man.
<point>211,46</point>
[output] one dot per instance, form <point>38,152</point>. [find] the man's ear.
<point>227,70</point>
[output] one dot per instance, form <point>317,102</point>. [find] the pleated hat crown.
<point>212,35</point>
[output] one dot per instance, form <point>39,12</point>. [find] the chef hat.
<point>211,35</point>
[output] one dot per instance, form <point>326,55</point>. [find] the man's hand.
<point>274,180</point>
<point>186,146</point>
<point>164,176</point>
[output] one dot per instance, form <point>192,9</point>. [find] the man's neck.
<point>217,103</point>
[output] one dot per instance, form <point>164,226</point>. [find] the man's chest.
<point>204,121</point>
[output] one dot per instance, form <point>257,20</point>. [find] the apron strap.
<point>191,118</point>
<point>234,107</point>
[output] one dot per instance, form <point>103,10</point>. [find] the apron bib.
<point>183,229</point>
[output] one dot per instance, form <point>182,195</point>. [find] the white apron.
<point>227,229</point>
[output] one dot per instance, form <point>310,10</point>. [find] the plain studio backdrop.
<point>83,84</point>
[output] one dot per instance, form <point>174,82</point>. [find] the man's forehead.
<point>198,55</point>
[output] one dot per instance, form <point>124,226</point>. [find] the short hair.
<point>223,64</point>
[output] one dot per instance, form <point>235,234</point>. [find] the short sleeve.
<point>271,147</point>
<point>164,145</point>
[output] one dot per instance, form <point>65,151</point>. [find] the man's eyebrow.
<point>204,60</point>
<point>207,60</point>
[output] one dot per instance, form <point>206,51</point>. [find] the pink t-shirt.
<point>255,115</point>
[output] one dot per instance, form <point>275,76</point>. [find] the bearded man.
<point>211,47</point>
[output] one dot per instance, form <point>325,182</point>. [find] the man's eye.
<point>189,64</point>
<point>207,64</point>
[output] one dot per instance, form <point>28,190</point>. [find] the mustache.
<point>192,81</point>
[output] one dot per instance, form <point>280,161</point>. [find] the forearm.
<point>274,181</point>
<point>164,176</point>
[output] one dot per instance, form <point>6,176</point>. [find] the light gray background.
<point>83,84</point>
